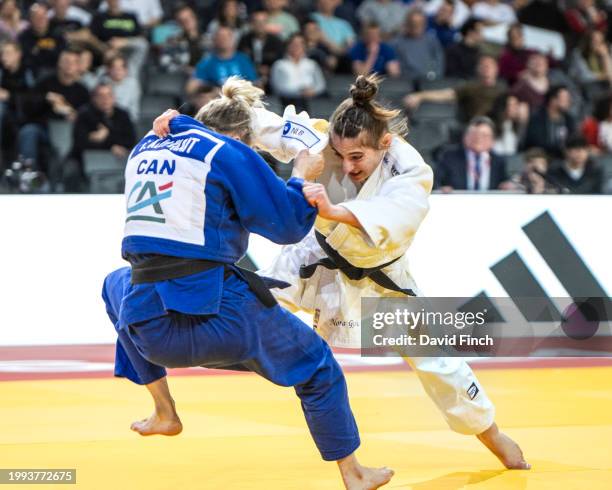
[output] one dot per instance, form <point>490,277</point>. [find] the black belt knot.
<point>335,261</point>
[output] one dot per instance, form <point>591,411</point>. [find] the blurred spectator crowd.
<point>512,96</point>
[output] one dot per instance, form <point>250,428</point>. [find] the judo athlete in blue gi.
<point>193,197</point>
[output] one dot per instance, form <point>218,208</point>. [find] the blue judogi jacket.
<point>198,194</point>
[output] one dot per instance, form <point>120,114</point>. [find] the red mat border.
<point>106,353</point>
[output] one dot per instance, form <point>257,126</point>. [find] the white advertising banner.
<point>56,250</point>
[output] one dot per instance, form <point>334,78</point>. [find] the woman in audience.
<point>11,23</point>
<point>591,61</point>
<point>533,82</point>
<point>232,14</point>
<point>125,87</point>
<point>296,78</point>
<point>511,117</point>
<point>583,16</point>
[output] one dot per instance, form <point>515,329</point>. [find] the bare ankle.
<point>492,431</point>
<point>349,464</point>
<point>165,410</point>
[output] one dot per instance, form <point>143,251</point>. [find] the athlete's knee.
<point>163,357</point>
<point>161,342</point>
<point>328,377</point>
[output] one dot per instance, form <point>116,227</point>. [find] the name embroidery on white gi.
<point>394,171</point>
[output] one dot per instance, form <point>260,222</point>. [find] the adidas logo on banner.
<point>522,286</point>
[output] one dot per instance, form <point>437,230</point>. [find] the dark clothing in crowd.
<point>121,130</point>
<point>319,53</point>
<point>60,27</point>
<point>38,110</point>
<point>105,26</point>
<point>544,14</point>
<point>543,132</point>
<point>525,92</point>
<point>17,84</point>
<point>41,52</point>
<point>446,34</point>
<point>512,62</point>
<point>461,61</point>
<point>195,48</point>
<point>591,181</point>
<point>475,99</point>
<point>262,52</point>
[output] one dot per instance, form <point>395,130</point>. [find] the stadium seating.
<point>168,84</point>
<point>104,170</point>
<point>154,105</point>
<point>323,107</point>
<point>60,137</point>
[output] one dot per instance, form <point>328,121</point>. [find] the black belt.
<point>335,261</point>
<point>162,268</point>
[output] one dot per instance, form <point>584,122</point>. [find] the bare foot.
<point>167,426</point>
<point>357,477</point>
<point>508,451</point>
<point>165,420</point>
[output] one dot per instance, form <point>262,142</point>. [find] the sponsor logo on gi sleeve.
<point>303,134</point>
<point>472,391</point>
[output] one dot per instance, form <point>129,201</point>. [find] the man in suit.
<point>473,166</point>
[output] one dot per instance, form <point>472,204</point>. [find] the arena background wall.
<point>56,251</point>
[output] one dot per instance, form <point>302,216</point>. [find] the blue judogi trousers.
<point>243,336</point>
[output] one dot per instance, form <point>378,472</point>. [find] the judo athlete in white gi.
<point>380,186</point>
<point>193,197</point>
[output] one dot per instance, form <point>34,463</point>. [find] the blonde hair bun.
<point>238,89</point>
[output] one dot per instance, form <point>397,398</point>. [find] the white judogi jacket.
<point>390,206</point>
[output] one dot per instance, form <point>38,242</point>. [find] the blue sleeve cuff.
<point>296,182</point>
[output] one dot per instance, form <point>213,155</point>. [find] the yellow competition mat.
<point>241,432</point>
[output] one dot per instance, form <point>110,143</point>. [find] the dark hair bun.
<point>364,89</point>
